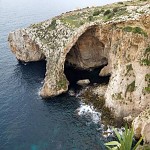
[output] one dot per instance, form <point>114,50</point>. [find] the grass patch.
<point>73,20</point>
<point>127,29</point>
<point>136,30</point>
<point>139,31</point>
<point>108,14</point>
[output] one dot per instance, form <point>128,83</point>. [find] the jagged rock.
<point>128,118</point>
<point>106,71</point>
<point>83,82</point>
<point>71,92</point>
<point>120,39</point>
<point>24,47</point>
<point>141,125</point>
<point>99,90</point>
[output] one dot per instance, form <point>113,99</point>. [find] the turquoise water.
<point>26,121</point>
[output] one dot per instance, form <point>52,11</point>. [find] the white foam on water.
<point>89,112</point>
<point>39,90</point>
<point>110,131</point>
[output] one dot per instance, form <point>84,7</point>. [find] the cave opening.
<point>86,59</point>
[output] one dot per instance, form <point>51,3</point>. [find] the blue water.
<point>26,121</point>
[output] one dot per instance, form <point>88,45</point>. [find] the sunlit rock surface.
<point>116,35</point>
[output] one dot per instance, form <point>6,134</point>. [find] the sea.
<point>27,122</point>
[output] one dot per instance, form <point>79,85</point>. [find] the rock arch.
<point>124,41</point>
<point>85,50</point>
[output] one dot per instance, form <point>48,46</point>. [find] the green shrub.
<point>110,15</point>
<point>128,29</point>
<point>53,24</point>
<point>147,51</point>
<point>124,142</point>
<point>145,62</point>
<point>130,87</point>
<point>107,12</point>
<point>147,89</point>
<point>90,18</point>
<point>128,68</point>
<point>96,13</point>
<point>147,78</point>
<point>81,22</point>
<point>139,31</point>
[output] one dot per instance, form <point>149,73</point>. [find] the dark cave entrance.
<point>74,74</point>
<point>86,59</point>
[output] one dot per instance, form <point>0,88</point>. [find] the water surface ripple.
<point>26,121</point>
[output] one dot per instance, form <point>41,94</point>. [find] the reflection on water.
<point>31,123</point>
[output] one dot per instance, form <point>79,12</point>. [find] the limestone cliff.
<point>116,34</point>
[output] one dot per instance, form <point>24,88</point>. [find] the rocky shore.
<point>116,36</point>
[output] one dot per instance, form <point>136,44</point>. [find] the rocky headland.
<point>116,36</point>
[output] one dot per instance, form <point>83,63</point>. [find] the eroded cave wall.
<point>127,92</point>
<point>88,52</point>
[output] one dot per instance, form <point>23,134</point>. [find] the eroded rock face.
<point>141,125</point>
<point>88,51</point>
<point>91,37</point>
<point>24,48</point>
<point>128,82</point>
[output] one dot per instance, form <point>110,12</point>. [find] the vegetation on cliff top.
<point>92,14</point>
<point>76,18</point>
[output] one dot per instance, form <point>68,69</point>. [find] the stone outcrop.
<point>117,35</point>
<point>141,125</point>
<point>84,82</point>
<point>24,47</point>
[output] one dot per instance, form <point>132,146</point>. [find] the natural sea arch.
<point>86,51</point>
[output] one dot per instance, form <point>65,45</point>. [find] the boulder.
<point>84,82</point>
